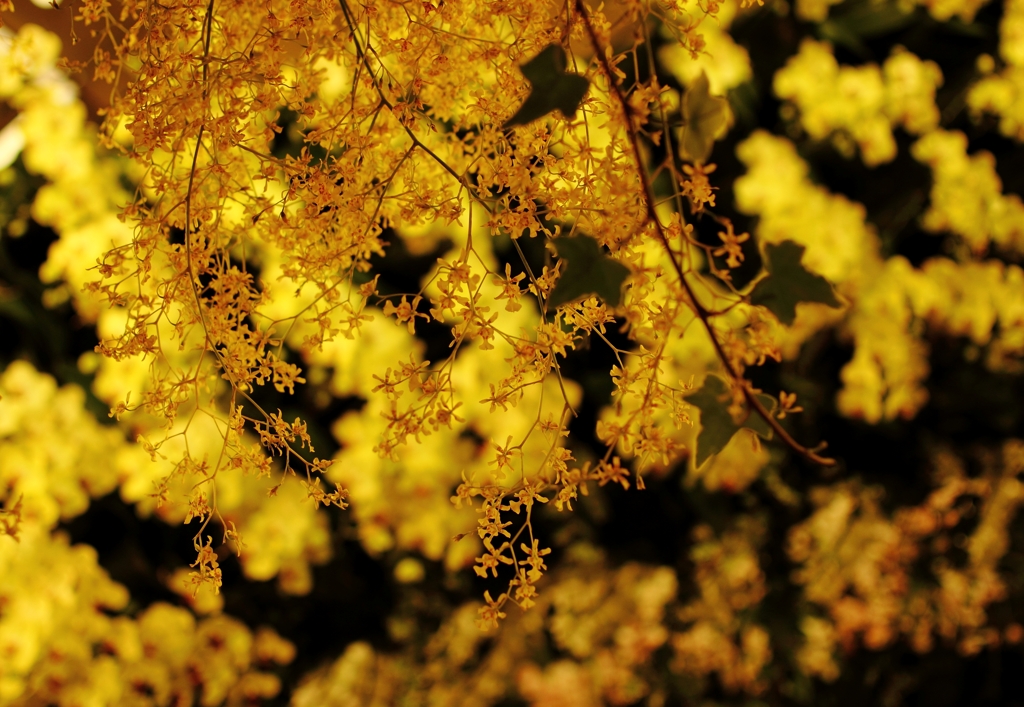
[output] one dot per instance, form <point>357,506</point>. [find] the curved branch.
<point>652,217</point>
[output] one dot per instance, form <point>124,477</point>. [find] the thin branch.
<point>652,217</point>
<point>207,34</point>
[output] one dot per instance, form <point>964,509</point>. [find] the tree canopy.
<point>494,353</point>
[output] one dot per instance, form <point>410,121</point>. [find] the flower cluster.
<point>862,104</point>
<point>857,563</point>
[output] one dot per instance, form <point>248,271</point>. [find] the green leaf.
<point>551,88</point>
<point>588,271</point>
<point>837,33</point>
<point>864,21</point>
<point>788,283</point>
<point>716,424</point>
<point>705,119</point>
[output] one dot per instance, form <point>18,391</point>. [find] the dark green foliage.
<point>788,283</point>
<point>551,88</point>
<point>717,425</point>
<point>588,271</point>
<point>704,117</point>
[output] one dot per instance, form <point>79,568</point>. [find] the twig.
<point>652,217</point>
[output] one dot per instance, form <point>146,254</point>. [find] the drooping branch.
<point>652,217</point>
